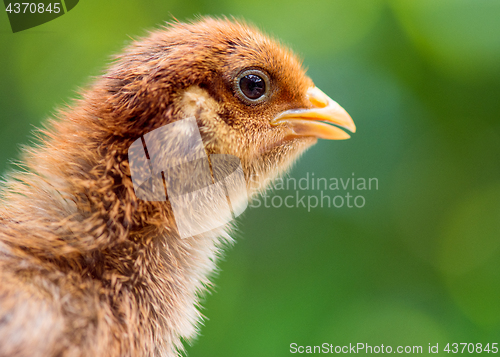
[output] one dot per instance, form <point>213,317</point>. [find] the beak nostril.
<point>317,103</point>
<point>317,97</point>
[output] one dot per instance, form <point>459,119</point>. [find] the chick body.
<point>87,268</point>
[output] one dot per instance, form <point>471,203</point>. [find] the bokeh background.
<point>419,263</point>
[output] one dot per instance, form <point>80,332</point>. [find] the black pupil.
<point>252,86</point>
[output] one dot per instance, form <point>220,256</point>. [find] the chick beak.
<point>311,122</point>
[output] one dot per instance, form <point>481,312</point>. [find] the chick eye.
<point>252,85</point>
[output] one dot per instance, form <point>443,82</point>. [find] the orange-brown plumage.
<point>87,269</point>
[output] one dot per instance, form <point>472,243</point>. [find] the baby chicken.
<point>89,269</point>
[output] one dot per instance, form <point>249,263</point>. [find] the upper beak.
<point>310,122</point>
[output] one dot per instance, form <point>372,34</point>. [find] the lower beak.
<point>313,122</point>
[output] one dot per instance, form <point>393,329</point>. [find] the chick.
<point>89,269</point>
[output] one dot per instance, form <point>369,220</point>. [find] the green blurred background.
<point>419,263</point>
